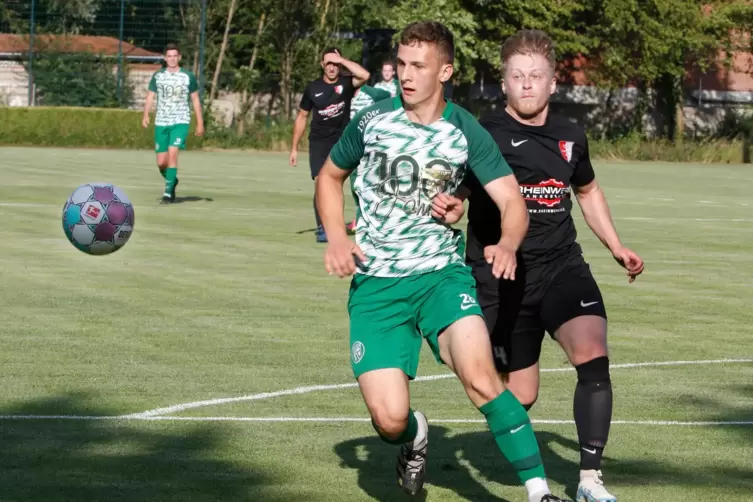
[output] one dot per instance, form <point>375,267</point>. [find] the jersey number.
<point>389,182</point>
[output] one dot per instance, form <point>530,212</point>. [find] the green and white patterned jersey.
<point>398,167</point>
<point>367,96</point>
<point>392,87</point>
<point>173,91</point>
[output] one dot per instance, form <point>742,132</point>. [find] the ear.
<point>553,85</point>
<point>445,73</point>
<point>502,85</point>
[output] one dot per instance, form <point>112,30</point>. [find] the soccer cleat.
<point>166,199</point>
<point>591,488</point>
<point>552,498</point>
<point>411,463</point>
<point>321,236</point>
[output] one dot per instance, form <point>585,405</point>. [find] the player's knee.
<point>389,423</point>
<point>587,352</point>
<point>594,370</point>
<point>483,386</point>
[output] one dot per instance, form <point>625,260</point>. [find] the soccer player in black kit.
<point>329,97</point>
<point>553,289</point>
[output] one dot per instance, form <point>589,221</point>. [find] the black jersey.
<point>331,105</point>
<point>547,160</point>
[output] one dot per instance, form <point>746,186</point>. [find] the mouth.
<point>408,91</point>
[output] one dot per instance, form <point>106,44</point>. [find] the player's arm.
<point>343,159</point>
<point>593,204</point>
<point>505,192</point>
<point>360,74</point>
<point>147,108</point>
<point>199,115</point>
<point>330,200</point>
<point>299,126</point>
<point>493,173</point>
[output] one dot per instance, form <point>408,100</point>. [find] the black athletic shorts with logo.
<point>542,298</point>
<point>318,152</point>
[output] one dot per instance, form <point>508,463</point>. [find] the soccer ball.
<point>98,218</point>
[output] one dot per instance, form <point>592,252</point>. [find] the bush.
<point>636,148</point>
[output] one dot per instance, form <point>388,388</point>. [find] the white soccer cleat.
<point>591,488</point>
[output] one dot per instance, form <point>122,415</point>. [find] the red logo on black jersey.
<point>548,193</point>
<point>566,149</point>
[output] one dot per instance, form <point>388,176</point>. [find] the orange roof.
<point>71,43</point>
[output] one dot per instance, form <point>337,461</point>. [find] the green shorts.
<point>389,316</point>
<point>170,136</point>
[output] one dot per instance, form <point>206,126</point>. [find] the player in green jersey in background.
<point>176,90</point>
<point>411,282</point>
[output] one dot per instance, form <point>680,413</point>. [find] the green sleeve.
<point>153,82</point>
<point>192,85</point>
<point>376,94</point>
<point>484,157</point>
<point>348,151</point>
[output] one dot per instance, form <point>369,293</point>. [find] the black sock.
<point>592,407</point>
<point>316,215</point>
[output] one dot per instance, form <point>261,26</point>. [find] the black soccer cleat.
<point>411,463</point>
<point>166,199</point>
<point>553,498</point>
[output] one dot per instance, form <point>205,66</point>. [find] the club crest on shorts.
<point>357,351</point>
<point>566,149</point>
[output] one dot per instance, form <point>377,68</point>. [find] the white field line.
<point>318,388</point>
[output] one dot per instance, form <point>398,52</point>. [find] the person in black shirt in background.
<point>329,97</point>
<point>553,289</point>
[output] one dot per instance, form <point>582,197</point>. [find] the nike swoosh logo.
<point>587,304</point>
<point>592,452</point>
<point>317,95</point>
<point>518,143</point>
<point>517,429</point>
<point>466,306</point>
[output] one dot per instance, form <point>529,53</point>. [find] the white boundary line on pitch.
<point>317,388</point>
<point>336,420</point>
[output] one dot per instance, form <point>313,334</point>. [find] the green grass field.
<point>224,295</point>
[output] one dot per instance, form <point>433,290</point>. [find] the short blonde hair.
<point>527,43</point>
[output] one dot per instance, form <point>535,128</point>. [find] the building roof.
<point>107,46</point>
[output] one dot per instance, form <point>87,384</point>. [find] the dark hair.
<point>389,62</point>
<point>430,32</point>
<point>331,50</point>
<point>527,43</point>
<point>172,47</point>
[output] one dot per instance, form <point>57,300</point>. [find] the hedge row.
<point>113,128</point>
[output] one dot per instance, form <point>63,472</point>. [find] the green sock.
<point>170,175</point>
<point>409,434</point>
<point>513,433</point>
<point>162,172</point>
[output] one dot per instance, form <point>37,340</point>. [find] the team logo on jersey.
<point>357,351</point>
<point>339,89</point>
<point>434,179</point>
<point>548,193</point>
<point>566,149</point>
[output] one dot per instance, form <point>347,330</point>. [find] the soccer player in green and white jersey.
<point>176,91</point>
<point>411,282</point>
<point>366,96</point>
<point>388,83</point>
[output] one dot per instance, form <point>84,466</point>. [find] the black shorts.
<point>517,313</point>
<point>318,152</point>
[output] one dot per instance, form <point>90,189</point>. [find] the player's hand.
<point>333,58</point>
<point>293,159</point>
<point>340,257</point>
<point>503,261</point>
<point>630,261</point>
<point>145,121</point>
<point>447,208</point>
<point>199,130</point>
